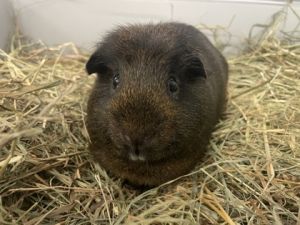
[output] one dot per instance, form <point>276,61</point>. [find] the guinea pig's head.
<point>147,103</point>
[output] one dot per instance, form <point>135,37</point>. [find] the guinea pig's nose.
<point>136,148</point>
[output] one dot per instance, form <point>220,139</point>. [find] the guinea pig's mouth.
<point>136,158</point>
<point>156,154</point>
<point>130,156</point>
<point>152,158</point>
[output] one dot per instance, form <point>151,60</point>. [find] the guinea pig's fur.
<point>159,93</point>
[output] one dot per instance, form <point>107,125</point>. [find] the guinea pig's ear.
<point>195,68</point>
<point>96,64</point>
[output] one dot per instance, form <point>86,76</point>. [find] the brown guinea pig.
<point>159,93</point>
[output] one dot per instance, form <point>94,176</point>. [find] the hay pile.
<point>252,175</point>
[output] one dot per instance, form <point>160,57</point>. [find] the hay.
<point>252,175</point>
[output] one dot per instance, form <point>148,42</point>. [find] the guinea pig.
<point>160,91</point>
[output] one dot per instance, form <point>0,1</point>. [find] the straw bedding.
<point>251,176</point>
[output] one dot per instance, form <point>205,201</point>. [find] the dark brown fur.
<point>141,118</point>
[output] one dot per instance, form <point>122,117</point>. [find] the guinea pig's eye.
<point>173,85</point>
<point>116,80</point>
